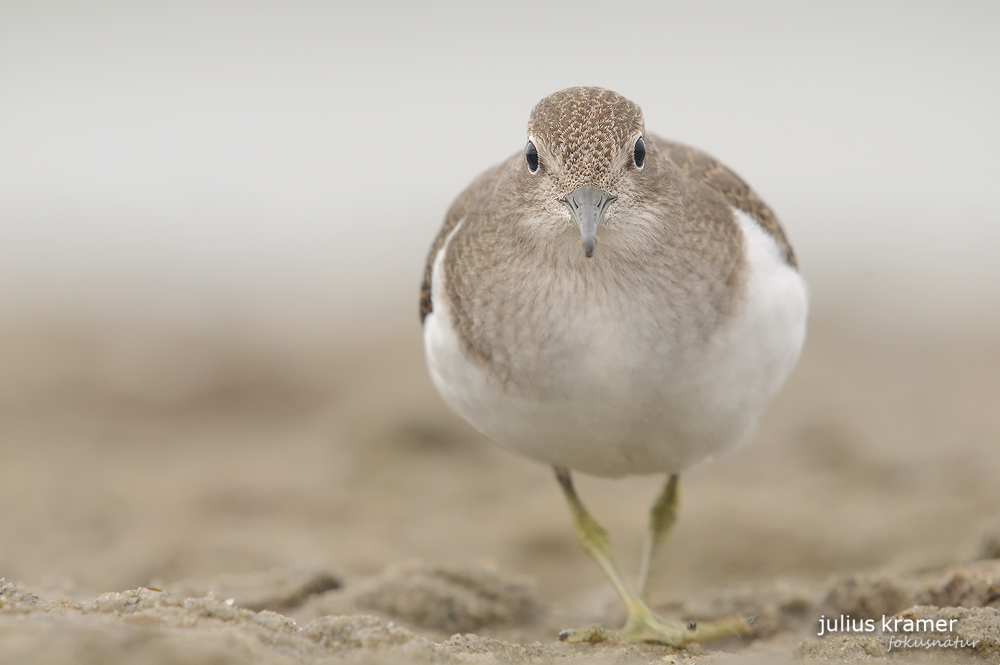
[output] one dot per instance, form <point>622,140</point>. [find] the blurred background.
<point>213,222</point>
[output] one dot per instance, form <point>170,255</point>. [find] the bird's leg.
<point>662,516</point>
<point>595,540</point>
<point>642,625</point>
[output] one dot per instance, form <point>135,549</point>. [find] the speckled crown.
<point>586,127</point>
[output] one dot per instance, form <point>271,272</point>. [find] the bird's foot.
<point>589,635</point>
<point>648,627</point>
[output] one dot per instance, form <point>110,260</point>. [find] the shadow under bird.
<point>611,302</point>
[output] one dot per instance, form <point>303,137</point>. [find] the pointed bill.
<point>587,204</point>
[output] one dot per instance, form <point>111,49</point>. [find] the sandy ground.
<point>235,497</point>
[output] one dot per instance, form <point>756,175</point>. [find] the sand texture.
<point>231,497</point>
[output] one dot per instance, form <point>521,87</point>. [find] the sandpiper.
<point>615,303</point>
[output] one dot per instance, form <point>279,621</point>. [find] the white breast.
<point>636,403</point>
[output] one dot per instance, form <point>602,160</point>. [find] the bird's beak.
<point>587,205</point>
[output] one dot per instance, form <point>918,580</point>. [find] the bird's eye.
<point>532,156</point>
<point>640,153</point>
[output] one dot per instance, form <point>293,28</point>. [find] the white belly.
<point>634,403</point>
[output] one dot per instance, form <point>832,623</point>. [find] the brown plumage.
<point>575,117</point>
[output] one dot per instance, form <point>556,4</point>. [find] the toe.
<point>589,635</point>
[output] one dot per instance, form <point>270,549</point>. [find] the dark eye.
<point>532,156</point>
<point>640,153</point>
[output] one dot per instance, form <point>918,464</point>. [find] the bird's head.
<point>585,152</point>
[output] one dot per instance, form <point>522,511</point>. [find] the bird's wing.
<point>737,193</point>
<point>456,213</point>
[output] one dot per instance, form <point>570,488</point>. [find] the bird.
<point>610,302</point>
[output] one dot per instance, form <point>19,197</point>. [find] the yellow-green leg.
<point>642,624</point>
<point>662,516</point>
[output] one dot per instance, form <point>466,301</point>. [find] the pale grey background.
<point>291,162</point>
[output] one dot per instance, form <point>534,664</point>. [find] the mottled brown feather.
<point>705,169</point>
<point>455,214</point>
<point>586,127</point>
